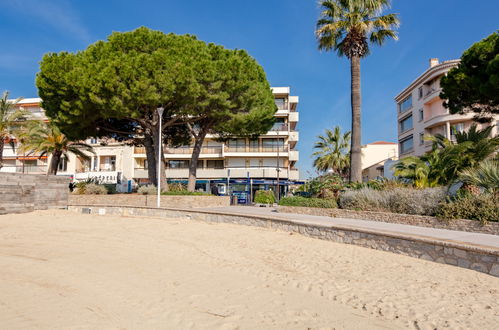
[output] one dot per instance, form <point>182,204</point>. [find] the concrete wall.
<point>150,200</point>
<point>406,219</point>
<point>27,192</point>
<point>442,251</point>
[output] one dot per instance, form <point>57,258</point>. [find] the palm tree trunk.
<point>355,154</point>
<point>2,144</point>
<point>54,162</point>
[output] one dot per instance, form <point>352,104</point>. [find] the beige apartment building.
<point>420,112</point>
<point>262,163</point>
<point>374,157</point>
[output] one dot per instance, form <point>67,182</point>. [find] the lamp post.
<point>160,146</point>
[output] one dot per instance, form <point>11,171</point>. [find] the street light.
<point>160,146</point>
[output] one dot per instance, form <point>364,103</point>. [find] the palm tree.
<point>485,175</point>
<point>332,151</point>
<point>8,117</point>
<point>347,27</point>
<point>47,139</point>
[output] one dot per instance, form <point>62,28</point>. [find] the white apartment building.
<point>266,161</point>
<point>420,111</point>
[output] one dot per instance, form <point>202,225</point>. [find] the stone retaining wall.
<point>180,201</point>
<point>477,258</point>
<point>27,192</point>
<point>406,219</point>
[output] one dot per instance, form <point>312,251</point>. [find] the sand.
<point>66,270</point>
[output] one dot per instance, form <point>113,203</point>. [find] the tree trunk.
<point>2,143</point>
<point>355,154</point>
<point>193,165</point>
<point>151,159</point>
<point>54,162</point>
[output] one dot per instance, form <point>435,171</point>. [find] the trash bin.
<point>234,200</point>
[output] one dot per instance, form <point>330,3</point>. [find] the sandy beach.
<point>61,270</point>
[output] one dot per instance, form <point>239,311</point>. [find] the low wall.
<point>482,259</point>
<point>28,192</point>
<point>406,219</point>
<point>180,201</point>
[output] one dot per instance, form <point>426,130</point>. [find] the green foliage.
<point>447,159</point>
<point>114,88</point>
<point>485,175</point>
<point>333,150</point>
<point>347,26</point>
<point>46,138</point>
<point>110,188</point>
<point>308,202</point>
<point>325,186</point>
<point>484,208</point>
<point>398,200</point>
<point>147,190</point>
<point>9,119</point>
<point>264,197</point>
<point>474,84</point>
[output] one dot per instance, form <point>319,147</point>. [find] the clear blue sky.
<point>278,33</point>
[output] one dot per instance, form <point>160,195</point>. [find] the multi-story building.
<point>420,111</point>
<point>267,161</point>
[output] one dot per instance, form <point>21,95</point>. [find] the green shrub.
<point>264,197</point>
<point>147,190</point>
<point>308,202</point>
<point>399,200</point>
<point>483,208</point>
<point>111,188</point>
<point>95,189</point>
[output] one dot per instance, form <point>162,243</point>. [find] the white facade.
<point>420,111</point>
<point>269,157</point>
<point>374,156</point>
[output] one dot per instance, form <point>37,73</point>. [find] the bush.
<point>399,200</point>
<point>308,202</point>
<point>111,188</point>
<point>147,190</point>
<point>264,197</point>
<point>483,208</point>
<point>95,189</point>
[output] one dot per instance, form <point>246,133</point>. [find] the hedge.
<point>308,202</point>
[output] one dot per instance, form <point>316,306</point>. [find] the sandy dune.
<point>66,270</point>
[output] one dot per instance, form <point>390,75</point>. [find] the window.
<point>247,163</point>
<point>237,145</point>
<point>93,141</point>
<point>260,163</point>
<point>215,163</point>
<point>421,114</point>
<point>253,145</point>
<point>281,103</point>
<point>406,124</point>
<point>406,145</point>
<point>421,138</point>
<point>420,93</point>
<point>178,164</point>
<point>454,129</point>
<point>279,125</point>
<point>272,145</point>
<point>200,163</point>
<point>406,104</point>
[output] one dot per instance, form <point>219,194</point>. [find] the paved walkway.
<point>477,239</point>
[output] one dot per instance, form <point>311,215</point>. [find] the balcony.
<point>293,136</point>
<point>293,117</point>
<point>184,152</point>
<point>235,172</point>
<point>293,155</point>
<point>28,169</point>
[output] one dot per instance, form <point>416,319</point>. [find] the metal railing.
<point>283,148</point>
<point>24,169</point>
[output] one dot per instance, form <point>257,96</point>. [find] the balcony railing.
<point>24,169</point>
<point>257,149</point>
<point>183,150</point>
